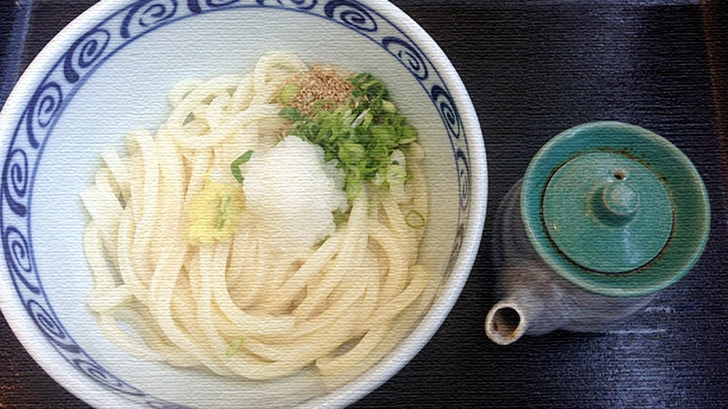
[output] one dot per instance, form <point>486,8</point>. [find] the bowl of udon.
<point>236,203</point>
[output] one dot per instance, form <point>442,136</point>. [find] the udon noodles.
<point>246,305</point>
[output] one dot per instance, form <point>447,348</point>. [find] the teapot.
<point>606,215</point>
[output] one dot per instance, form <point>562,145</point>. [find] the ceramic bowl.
<point>110,71</point>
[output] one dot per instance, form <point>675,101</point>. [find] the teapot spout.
<point>506,322</point>
<point>524,311</point>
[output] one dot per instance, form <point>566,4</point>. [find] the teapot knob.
<point>619,198</point>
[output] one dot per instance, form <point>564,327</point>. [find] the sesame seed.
<point>321,86</point>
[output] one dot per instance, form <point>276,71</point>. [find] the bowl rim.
<point>96,395</point>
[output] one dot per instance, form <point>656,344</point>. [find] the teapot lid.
<point>615,209</point>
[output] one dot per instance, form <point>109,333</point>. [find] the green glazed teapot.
<point>606,215</point>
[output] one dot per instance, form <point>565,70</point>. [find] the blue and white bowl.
<point>109,71</point>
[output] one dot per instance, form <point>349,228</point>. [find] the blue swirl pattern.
<point>84,53</point>
<point>447,109</point>
<point>50,326</point>
<point>351,14</point>
<point>408,55</point>
<point>101,375</point>
<point>17,256</point>
<point>164,405</point>
<point>298,4</point>
<point>15,180</point>
<point>96,46</point>
<point>195,6</point>
<point>145,15</point>
<point>44,106</point>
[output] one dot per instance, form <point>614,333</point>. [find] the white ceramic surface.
<point>109,71</point>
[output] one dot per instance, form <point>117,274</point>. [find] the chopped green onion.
<point>361,134</point>
<point>396,174</point>
<point>292,114</point>
<point>415,219</point>
<point>388,107</point>
<point>224,210</point>
<point>322,241</point>
<point>237,163</point>
<point>352,153</point>
<point>234,346</point>
<point>339,216</point>
<point>288,92</point>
